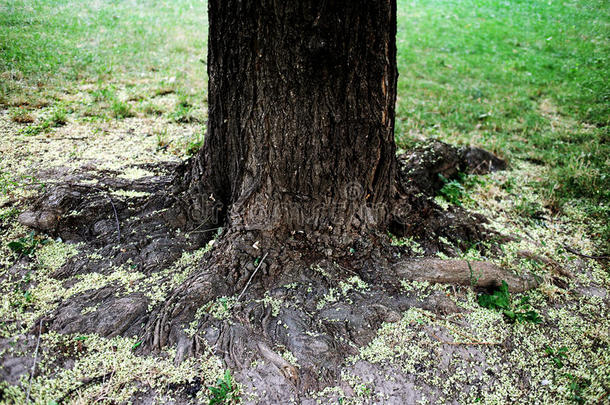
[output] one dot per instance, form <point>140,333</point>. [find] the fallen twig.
<point>577,253</point>
<point>252,276</point>
<point>27,398</point>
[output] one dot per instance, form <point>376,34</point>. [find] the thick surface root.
<point>272,307</point>
<point>483,275</point>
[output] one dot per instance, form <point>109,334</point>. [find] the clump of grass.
<point>195,143</point>
<point>103,94</point>
<point>152,109</point>
<point>59,117</point>
<point>121,109</point>
<point>164,90</point>
<point>183,113</point>
<point>162,140</point>
<point>21,116</point>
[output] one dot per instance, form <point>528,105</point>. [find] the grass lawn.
<point>125,81</point>
<point>529,80</point>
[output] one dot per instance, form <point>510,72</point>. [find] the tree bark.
<point>301,115</point>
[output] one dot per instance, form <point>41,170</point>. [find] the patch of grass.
<point>36,129</point>
<point>63,48</point>
<point>21,116</point>
<point>524,79</point>
<point>121,109</point>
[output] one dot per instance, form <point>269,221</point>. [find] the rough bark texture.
<point>301,115</point>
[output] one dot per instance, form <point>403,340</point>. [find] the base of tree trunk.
<point>256,295</point>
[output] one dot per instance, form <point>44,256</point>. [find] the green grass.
<point>51,48</point>
<point>526,79</point>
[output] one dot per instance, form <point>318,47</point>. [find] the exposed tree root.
<point>418,181</point>
<point>272,306</point>
<point>461,272</point>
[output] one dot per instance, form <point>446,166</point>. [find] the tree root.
<point>461,272</point>
<point>301,303</point>
<point>421,174</point>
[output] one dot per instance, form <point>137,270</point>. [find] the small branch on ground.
<point>252,276</point>
<point>577,253</point>
<point>27,398</point>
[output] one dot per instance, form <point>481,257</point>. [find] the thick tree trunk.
<point>301,115</point>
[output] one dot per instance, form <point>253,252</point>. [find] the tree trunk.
<point>301,115</point>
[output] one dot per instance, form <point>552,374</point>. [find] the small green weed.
<point>453,191</point>
<point>576,387</point>
<point>26,245</point>
<point>23,297</point>
<point>500,300</point>
<point>556,355</point>
<point>225,391</point>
